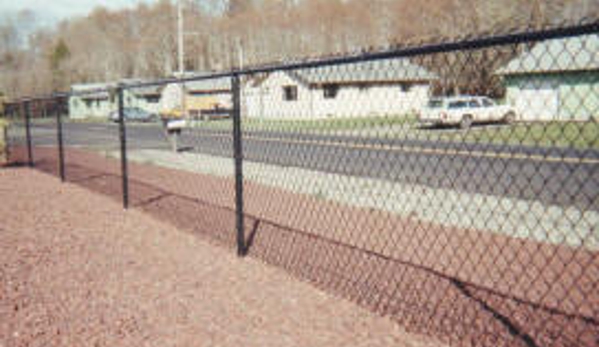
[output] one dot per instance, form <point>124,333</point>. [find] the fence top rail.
<point>397,52</point>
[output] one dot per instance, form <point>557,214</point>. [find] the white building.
<point>200,96</point>
<point>92,104</point>
<point>147,97</point>
<point>555,80</point>
<point>381,88</point>
<point>98,100</point>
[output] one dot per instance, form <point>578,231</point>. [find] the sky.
<point>50,12</point>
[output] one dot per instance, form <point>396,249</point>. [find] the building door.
<point>538,101</point>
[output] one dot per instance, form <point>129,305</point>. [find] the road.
<point>563,177</point>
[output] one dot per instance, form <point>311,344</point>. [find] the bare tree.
<point>140,42</point>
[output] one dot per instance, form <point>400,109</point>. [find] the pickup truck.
<point>465,110</point>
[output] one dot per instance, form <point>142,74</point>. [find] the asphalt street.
<point>564,177</point>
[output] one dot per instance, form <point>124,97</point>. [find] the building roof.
<point>93,90</point>
<point>385,71</point>
<point>579,53</point>
<point>142,91</point>
<point>100,90</point>
<point>207,85</point>
<point>147,90</point>
<point>91,86</point>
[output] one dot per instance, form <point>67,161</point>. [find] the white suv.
<point>465,110</point>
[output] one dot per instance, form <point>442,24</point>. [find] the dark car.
<point>134,114</point>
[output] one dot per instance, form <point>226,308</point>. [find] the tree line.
<point>141,42</point>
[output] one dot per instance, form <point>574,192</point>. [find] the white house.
<point>555,80</point>
<point>386,87</point>
<point>146,98</point>
<point>91,103</point>
<point>96,101</point>
<point>200,96</point>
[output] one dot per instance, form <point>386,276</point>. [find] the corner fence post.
<point>238,158</point>
<point>27,106</point>
<point>58,110</point>
<point>123,140</point>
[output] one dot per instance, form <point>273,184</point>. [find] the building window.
<point>290,93</point>
<point>405,87</point>
<point>330,91</point>
<point>153,99</point>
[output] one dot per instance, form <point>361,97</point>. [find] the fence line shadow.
<point>419,298</point>
<point>338,267</point>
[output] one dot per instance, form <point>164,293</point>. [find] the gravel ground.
<point>468,287</point>
<point>76,270</point>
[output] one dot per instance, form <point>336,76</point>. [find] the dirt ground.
<point>466,287</point>
<point>77,270</point>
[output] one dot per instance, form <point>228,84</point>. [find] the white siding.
<point>267,101</point>
<point>170,98</point>
<point>80,109</point>
<point>141,102</point>
<point>535,100</point>
<point>375,100</point>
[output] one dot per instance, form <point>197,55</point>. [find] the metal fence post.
<point>123,140</point>
<point>59,139</point>
<point>238,158</point>
<point>27,110</point>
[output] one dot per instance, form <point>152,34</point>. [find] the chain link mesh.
<point>455,190</point>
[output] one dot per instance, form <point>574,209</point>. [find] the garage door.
<point>538,102</point>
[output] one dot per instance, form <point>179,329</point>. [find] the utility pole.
<point>181,52</point>
<point>180,48</point>
<point>240,55</point>
<point>171,128</point>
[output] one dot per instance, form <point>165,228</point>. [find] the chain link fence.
<point>453,187</point>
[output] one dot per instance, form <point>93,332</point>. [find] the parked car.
<point>134,114</point>
<point>466,110</point>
